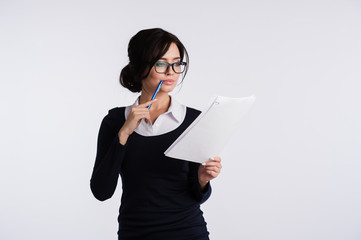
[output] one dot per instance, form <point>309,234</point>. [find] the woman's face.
<point>170,78</point>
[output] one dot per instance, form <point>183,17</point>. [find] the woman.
<point>161,196</point>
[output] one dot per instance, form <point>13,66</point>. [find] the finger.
<point>136,113</point>
<point>212,173</point>
<point>211,169</point>
<point>216,158</point>
<point>139,109</point>
<point>213,165</point>
<point>147,103</point>
<point>215,169</point>
<point>147,118</point>
<point>210,165</point>
<point>136,110</point>
<point>213,162</point>
<point>141,114</point>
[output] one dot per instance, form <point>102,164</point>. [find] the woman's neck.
<point>162,103</point>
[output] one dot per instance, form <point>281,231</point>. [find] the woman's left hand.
<point>209,170</point>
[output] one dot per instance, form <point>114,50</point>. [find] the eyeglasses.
<point>163,67</point>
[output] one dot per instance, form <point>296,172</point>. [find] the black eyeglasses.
<point>163,67</point>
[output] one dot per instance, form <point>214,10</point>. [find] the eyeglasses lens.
<point>162,67</point>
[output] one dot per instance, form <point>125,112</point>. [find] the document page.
<point>209,133</point>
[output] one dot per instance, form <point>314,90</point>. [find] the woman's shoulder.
<point>116,111</point>
<point>115,116</point>
<point>192,109</point>
<point>192,112</point>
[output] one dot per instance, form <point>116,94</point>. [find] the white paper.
<point>208,134</point>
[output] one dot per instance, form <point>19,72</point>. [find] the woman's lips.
<point>168,82</point>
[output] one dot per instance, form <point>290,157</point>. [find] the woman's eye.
<point>177,64</point>
<point>161,64</point>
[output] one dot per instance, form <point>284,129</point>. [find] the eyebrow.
<point>172,59</point>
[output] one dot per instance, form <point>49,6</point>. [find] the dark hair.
<point>144,50</point>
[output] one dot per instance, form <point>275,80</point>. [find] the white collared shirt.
<point>166,122</point>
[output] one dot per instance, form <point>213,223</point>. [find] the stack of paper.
<point>209,133</point>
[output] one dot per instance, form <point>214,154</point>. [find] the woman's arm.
<point>209,170</point>
<point>200,177</point>
<point>112,142</point>
<point>108,161</point>
<point>200,193</point>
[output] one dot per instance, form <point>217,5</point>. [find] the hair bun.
<point>128,80</point>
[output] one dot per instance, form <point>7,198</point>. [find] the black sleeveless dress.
<point>161,196</point>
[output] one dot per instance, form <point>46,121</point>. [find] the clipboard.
<point>209,133</point>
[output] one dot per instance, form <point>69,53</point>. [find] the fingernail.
<point>212,158</point>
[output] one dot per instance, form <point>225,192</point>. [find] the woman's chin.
<point>168,88</point>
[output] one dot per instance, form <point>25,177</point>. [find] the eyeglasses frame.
<point>170,64</point>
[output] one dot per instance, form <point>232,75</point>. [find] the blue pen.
<point>155,93</point>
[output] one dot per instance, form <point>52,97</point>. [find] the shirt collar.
<point>175,108</point>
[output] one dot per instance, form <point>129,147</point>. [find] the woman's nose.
<point>170,71</point>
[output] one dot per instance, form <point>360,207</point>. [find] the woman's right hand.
<point>136,114</point>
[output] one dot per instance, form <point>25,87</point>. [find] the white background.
<point>291,171</point>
